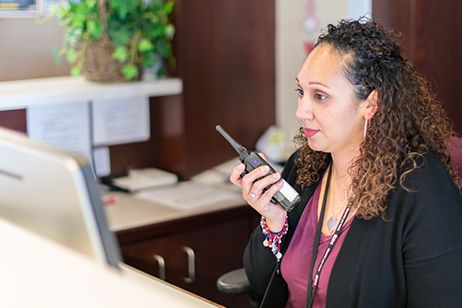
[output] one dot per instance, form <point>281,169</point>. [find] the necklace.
<point>332,221</point>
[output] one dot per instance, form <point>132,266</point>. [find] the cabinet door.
<point>156,257</point>
<point>218,248</point>
<point>195,254</point>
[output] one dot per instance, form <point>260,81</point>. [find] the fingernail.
<point>265,169</point>
<point>276,175</point>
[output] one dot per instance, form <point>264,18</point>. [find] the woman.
<point>374,169</point>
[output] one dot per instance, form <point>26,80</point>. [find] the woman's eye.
<point>299,92</point>
<point>320,97</point>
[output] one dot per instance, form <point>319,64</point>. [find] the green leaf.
<point>148,59</point>
<point>94,28</point>
<point>119,35</point>
<point>168,8</point>
<point>90,3</point>
<point>71,56</point>
<point>160,72</point>
<point>123,8</point>
<point>75,71</point>
<point>120,54</point>
<point>145,45</point>
<point>55,9</point>
<point>163,48</point>
<point>56,55</point>
<point>129,71</point>
<point>169,31</point>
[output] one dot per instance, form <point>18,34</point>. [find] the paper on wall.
<point>102,161</point>
<point>65,126</point>
<point>118,120</point>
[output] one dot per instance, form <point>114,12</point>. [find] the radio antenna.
<point>238,147</point>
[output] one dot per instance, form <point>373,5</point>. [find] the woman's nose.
<point>304,110</point>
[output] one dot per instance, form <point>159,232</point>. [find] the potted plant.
<point>114,40</point>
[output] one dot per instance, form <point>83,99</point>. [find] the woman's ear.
<point>371,105</point>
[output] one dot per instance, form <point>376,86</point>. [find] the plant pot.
<point>99,65</point>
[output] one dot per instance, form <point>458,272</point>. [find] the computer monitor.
<point>52,192</point>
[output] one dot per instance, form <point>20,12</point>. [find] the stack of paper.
<point>139,179</point>
<point>189,195</point>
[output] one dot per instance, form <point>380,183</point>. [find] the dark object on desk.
<point>108,181</point>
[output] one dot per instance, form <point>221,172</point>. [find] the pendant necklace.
<point>332,221</point>
<point>331,224</point>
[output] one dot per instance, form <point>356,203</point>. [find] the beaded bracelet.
<point>273,240</point>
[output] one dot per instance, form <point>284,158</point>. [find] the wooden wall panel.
<point>437,50</point>
<point>397,15</point>
<point>432,39</point>
<point>227,63</point>
<point>14,119</point>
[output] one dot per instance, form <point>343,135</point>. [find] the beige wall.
<point>26,49</point>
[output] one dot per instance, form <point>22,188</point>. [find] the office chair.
<point>236,282</point>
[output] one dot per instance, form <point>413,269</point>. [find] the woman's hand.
<point>256,197</point>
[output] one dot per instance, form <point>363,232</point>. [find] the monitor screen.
<point>52,192</point>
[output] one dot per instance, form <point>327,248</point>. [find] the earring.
<point>365,128</point>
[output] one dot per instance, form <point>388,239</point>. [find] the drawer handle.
<point>161,263</point>
<point>191,265</point>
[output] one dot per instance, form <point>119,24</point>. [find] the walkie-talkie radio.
<point>286,196</point>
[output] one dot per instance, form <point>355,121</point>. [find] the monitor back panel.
<point>52,192</point>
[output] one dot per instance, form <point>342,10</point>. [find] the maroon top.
<point>295,265</point>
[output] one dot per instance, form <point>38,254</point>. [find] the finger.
<point>269,194</point>
<point>261,185</point>
<point>251,177</point>
<point>235,176</point>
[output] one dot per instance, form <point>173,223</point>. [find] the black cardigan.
<point>412,258</point>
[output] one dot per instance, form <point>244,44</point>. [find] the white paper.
<point>64,126</point>
<point>139,179</point>
<point>120,120</point>
<point>189,195</point>
<point>102,161</point>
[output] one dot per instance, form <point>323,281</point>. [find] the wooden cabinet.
<point>193,252</point>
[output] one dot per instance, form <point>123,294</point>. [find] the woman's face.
<point>329,112</point>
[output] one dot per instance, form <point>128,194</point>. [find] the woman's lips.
<point>310,132</point>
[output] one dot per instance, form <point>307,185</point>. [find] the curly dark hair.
<point>408,123</point>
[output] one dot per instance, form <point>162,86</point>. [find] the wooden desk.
<point>189,249</point>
